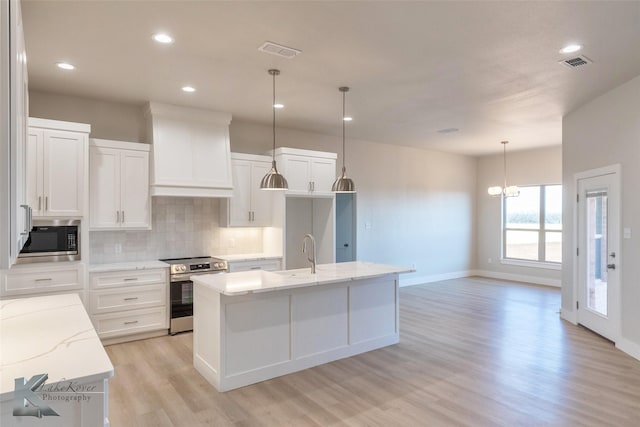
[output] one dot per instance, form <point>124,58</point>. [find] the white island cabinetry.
<point>255,325</point>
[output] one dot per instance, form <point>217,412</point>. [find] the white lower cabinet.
<point>124,304</point>
<point>42,279</point>
<point>255,264</point>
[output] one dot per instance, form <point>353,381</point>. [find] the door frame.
<point>616,203</point>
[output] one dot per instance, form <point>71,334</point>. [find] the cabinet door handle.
<point>133,322</point>
<point>46,203</point>
<point>256,268</point>
<point>48,279</point>
<point>117,216</point>
<point>122,216</point>
<point>130,279</point>
<point>249,212</point>
<point>30,220</point>
<point>39,203</point>
<point>26,220</point>
<point>131,298</point>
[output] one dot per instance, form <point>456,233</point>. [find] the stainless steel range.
<point>181,287</point>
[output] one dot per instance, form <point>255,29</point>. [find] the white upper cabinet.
<point>119,185</point>
<point>191,152</point>
<point>15,213</point>
<point>307,172</point>
<point>56,167</point>
<point>249,206</point>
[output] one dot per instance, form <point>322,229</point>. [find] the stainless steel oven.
<point>181,288</point>
<point>52,240</point>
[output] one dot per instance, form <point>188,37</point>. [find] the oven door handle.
<point>187,276</point>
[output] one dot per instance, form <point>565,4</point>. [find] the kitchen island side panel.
<point>268,334</point>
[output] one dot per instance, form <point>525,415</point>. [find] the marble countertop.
<point>127,266</point>
<point>52,335</point>
<point>247,257</point>
<point>245,282</point>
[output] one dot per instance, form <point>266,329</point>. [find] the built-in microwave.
<point>52,240</point>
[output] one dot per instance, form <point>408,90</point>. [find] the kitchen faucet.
<point>312,260</point>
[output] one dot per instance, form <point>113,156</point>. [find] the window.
<point>532,224</point>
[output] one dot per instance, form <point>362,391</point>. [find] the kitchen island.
<point>51,352</point>
<point>255,325</point>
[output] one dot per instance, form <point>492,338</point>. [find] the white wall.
<point>529,167</point>
<point>603,132</point>
<point>108,120</point>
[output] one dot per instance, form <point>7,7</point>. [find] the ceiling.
<point>489,69</point>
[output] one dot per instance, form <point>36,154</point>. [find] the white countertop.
<point>248,257</point>
<point>52,335</point>
<point>127,266</point>
<point>245,282</point>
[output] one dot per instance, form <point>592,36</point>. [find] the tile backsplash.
<point>181,227</point>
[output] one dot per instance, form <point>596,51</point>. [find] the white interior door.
<point>598,233</point>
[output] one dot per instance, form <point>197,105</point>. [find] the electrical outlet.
<point>232,243</point>
<point>117,248</point>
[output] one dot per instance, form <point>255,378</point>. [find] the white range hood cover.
<point>191,155</point>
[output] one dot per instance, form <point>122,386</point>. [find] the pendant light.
<point>274,180</point>
<point>343,184</point>
<point>506,191</point>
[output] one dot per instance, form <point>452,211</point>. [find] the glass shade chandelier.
<point>506,191</point>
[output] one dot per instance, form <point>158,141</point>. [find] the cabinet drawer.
<point>265,264</point>
<point>110,300</point>
<point>31,281</point>
<point>130,322</point>
<point>127,278</point>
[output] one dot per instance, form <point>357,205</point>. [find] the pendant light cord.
<point>504,160</point>
<point>344,94</point>
<point>274,117</point>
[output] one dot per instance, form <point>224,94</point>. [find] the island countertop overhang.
<point>245,282</point>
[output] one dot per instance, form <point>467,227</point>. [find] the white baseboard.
<point>569,316</point>
<point>420,280</point>
<point>519,278</point>
<point>629,347</point>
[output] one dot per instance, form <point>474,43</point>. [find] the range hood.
<point>191,155</point>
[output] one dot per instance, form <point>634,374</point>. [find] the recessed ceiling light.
<point>278,105</point>
<point>571,48</point>
<point>163,38</point>
<point>347,118</point>
<point>189,89</point>
<point>65,66</point>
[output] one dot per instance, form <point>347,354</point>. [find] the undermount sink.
<point>300,273</point>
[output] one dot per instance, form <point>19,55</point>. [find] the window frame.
<point>540,262</point>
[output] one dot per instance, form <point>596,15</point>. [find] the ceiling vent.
<point>576,61</point>
<point>279,50</point>
<point>448,130</point>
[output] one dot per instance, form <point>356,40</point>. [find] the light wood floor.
<point>473,352</point>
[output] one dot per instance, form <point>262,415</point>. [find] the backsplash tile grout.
<point>181,227</point>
